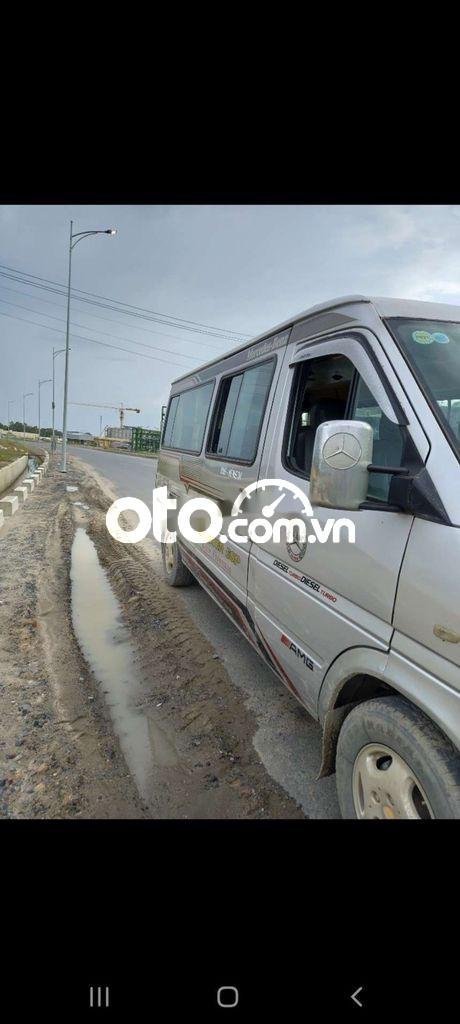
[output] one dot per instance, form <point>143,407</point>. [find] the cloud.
<point>377,229</point>
<point>240,267</point>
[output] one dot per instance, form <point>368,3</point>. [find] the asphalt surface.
<point>287,740</point>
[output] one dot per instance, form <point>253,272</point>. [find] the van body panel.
<point>334,596</point>
<point>427,609</point>
<point>425,688</point>
<point>355,661</point>
<point>221,479</point>
<point>284,609</point>
<point>408,675</point>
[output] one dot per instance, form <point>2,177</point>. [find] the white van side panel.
<point>427,612</point>
<point>329,597</point>
<point>191,476</point>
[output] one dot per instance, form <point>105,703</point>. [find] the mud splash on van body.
<point>103,639</point>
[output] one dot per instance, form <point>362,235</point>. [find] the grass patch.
<point>10,450</point>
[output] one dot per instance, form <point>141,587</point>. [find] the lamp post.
<point>9,420</point>
<point>56,352</point>
<point>73,241</point>
<point>28,394</point>
<point>47,381</point>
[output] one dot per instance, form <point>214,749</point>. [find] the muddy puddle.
<point>104,641</point>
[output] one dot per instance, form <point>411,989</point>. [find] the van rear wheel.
<point>393,762</point>
<point>176,573</point>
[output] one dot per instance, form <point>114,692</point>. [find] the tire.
<point>390,735</point>
<point>175,572</point>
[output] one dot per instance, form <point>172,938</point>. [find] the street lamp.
<point>28,394</point>
<point>73,241</point>
<point>47,381</point>
<point>56,352</point>
<point>9,420</point>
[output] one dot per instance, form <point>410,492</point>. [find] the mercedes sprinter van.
<point>349,411</point>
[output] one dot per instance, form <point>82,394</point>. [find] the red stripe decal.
<point>281,671</point>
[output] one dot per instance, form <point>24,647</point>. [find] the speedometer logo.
<point>269,509</point>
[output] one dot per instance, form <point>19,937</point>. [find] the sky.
<point>237,270</point>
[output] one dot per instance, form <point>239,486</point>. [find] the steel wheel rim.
<point>169,557</point>
<point>385,786</point>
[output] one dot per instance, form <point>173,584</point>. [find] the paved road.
<point>287,740</point>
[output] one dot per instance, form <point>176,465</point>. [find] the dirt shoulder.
<point>59,755</point>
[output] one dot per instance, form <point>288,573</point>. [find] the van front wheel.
<point>393,762</point>
<point>176,573</point>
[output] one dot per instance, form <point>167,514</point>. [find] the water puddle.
<point>32,464</point>
<point>96,618</point>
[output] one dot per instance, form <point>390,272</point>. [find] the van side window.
<point>239,413</point>
<point>321,391</point>
<point>388,439</point>
<point>169,422</point>
<point>186,419</point>
<point>330,388</point>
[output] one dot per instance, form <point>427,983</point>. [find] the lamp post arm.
<point>84,234</point>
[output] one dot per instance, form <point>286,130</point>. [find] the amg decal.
<point>297,651</point>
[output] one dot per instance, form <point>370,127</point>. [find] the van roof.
<point>385,307</point>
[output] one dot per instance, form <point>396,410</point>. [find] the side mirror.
<point>342,453</point>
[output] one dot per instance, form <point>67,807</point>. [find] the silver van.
<point>354,404</point>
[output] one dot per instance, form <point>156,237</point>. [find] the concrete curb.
<point>21,493</point>
<point>10,473</point>
<point>10,503</point>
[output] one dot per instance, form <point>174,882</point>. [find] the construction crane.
<point>121,409</point>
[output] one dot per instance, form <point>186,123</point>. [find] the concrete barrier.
<point>9,505</point>
<point>10,473</point>
<point>1,519</point>
<point>21,493</point>
<point>29,483</point>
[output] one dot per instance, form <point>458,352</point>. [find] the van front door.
<point>311,601</point>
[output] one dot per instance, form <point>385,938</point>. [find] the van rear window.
<point>239,413</point>
<point>186,419</point>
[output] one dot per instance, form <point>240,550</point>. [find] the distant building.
<point>119,433</point>
<point>79,435</point>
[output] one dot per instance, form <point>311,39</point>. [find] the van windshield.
<point>432,347</point>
